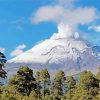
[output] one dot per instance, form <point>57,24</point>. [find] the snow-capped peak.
<point>64,50</point>
<point>62,44</point>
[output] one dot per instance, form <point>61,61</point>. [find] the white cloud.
<point>18,50</point>
<point>95,28</point>
<point>65,12</point>
<point>22,46</point>
<point>79,16</point>
<point>70,15</point>
<point>48,13</point>
<point>2,50</point>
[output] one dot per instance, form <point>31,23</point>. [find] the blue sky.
<point>17,30</point>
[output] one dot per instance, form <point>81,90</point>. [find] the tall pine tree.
<point>57,88</point>
<point>24,81</point>
<point>45,81</point>
<point>2,62</point>
<point>87,87</point>
<point>70,85</point>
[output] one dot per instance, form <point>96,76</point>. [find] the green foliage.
<point>57,88</point>
<point>2,71</point>
<point>98,76</point>
<point>38,82</point>
<point>24,86</point>
<point>71,85</point>
<point>2,62</point>
<point>87,87</point>
<point>45,81</point>
<point>45,76</point>
<point>24,81</point>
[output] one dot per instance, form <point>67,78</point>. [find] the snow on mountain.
<point>65,50</point>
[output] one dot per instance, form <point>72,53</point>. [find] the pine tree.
<point>87,87</point>
<point>33,96</point>
<point>2,71</point>
<point>38,82</point>
<point>2,62</point>
<point>70,84</point>
<point>24,81</point>
<point>98,76</point>
<point>57,88</point>
<point>45,81</point>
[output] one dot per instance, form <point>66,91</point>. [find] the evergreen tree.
<point>38,82</point>
<point>33,96</point>
<point>2,62</point>
<point>45,81</point>
<point>2,71</point>
<point>70,84</point>
<point>57,88</point>
<point>87,87</point>
<point>23,86</point>
<point>98,76</point>
<point>24,81</point>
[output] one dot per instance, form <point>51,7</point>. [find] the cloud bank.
<point>67,16</point>
<point>65,12</point>
<point>18,50</point>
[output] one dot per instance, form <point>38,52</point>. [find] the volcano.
<point>65,50</point>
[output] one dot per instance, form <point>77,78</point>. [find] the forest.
<point>27,85</point>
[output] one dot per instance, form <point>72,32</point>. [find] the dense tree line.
<point>26,85</point>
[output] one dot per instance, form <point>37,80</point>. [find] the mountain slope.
<point>64,50</point>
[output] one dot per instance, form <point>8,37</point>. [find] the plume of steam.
<point>65,31</point>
